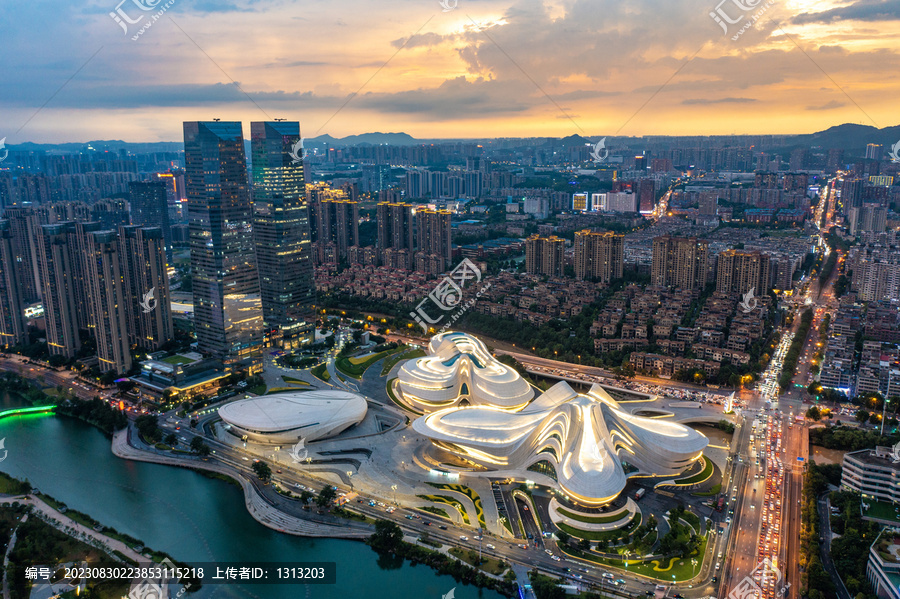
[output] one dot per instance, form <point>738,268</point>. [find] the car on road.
<point>443,527</point>
<point>608,575</point>
<point>554,558</point>
<point>463,538</point>
<point>489,546</point>
<point>620,581</point>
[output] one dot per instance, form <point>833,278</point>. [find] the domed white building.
<point>285,418</point>
<point>571,442</point>
<point>460,370</point>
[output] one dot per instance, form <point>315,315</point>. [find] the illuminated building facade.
<point>575,444</point>
<point>228,319</point>
<point>281,231</point>
<point>460,371</point>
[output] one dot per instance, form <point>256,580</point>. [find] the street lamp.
<point>394,489</point>
<point>350,478</point>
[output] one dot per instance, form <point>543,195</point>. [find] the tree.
<point>171,440</point>
<point>563,537</point>
<point>262,471</point>
<point>387,536</point>
<point>306,497</point>
<point>148,427</point>
<point>584,545</point>
<point>862,415</point>
<point>813,413</point>
<point>198,445</point>
<point>326,496</point>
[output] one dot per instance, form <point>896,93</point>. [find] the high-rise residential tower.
<point>13,329</point>
<point>434,234</point>
<point>21,219</point>
<point>740,271</point>
<point>396,238</point>
<point>228,318</point>
<point>545,255</point>
<point>150,207</point>
<point>599,256</point>
<point>56,270</point>
<point>680,262</point>
<point>148,307</point>
<point>107,299</point>
<point>282,234</point>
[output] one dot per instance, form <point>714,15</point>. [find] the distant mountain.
<point>850,137</point>
<point>394,139</point>
<point>572,140</point>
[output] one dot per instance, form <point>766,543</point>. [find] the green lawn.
<point>606,535</point>
<point>488,564</point>
<point>714,491</point>
<point>177,360</point>
<point>321,372</point>
<point>355,367</point>
<point>593,519</point>
<point>692,519</point>
<point>454,503</point>
<point>400,404</point>
<point>681,567</point>
<point>700,476</point>
<point>295,381</point>
<point>881,510</point>
<point>12,486</point>
<point>436,511</point>
<point>468,492</point>
<point>257,389</point>
<point>407,355</point>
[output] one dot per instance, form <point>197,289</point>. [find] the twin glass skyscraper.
<point>239,273</point>
<point>282,233</point>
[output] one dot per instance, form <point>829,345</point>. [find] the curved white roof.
<point>583,437</point>
<point>309,415</point>
<point>460,367</point>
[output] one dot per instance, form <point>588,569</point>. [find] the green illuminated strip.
<point>17,411</point>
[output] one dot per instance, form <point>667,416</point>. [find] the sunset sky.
<point>487,68</point>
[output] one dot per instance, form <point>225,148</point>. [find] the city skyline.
<point>494,68</point>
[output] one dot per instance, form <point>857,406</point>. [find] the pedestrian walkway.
<point>259,508</point>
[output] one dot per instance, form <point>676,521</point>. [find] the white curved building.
<point>285,418</point>
<point>578,442</point>
<point>460,370</point>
